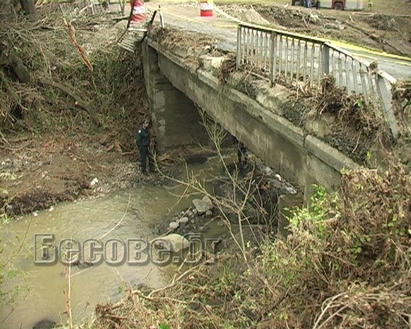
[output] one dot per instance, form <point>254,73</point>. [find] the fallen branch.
<point>83,55</point>
<point>128,153</point>
<point>14,149</point>
<point>119,222</point>
<point>68,298</point>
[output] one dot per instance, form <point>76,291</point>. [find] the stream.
<point>36,242</point>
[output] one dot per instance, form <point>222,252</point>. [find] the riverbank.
<point>344,265</point>
<point>39,172</point>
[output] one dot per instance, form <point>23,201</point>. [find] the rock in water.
<point>173,225</point>
<point>200,205</point>
<point>44,324</point>
<point>203,205</point>
<point>182,220</point>
<point>208,202</point>
<point>172,242</point>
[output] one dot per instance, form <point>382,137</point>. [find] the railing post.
<point>325,55</point>
<point>386,101</point>
<point>273,39</point>
<point>161,17</point>
<point>239,47</point>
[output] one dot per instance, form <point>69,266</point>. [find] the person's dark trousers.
<point>143,159</point>
<point>144,155</point>
<point>242,154</point>
<point>151,161</point>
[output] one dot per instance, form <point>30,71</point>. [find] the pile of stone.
<point>202,207</point>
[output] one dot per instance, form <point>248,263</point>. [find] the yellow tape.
<point>333,42</point>
<point>367,50</point>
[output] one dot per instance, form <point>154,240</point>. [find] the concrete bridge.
<point>181,79</point>
<point>176,90</point>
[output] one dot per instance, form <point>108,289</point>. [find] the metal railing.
<point>89,7</point>
<point>288,57</point>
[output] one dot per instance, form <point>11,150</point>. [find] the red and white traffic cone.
<point>138,14</point>
<point>206,8</point>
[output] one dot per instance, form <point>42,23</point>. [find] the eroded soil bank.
<point>68,130</point>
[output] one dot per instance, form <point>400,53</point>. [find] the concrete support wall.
<point>175,117</point>
<point>303,160</point>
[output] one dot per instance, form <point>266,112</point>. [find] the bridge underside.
<point>177,119</point>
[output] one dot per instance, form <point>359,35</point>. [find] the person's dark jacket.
<point>143,137</point>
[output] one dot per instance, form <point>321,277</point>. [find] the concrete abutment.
<point>176,119</point>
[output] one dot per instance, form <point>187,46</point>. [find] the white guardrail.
<point>297,58</point>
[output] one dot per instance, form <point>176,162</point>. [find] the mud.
<point>37,174</point>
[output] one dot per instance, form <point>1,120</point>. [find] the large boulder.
<point>173,242</point>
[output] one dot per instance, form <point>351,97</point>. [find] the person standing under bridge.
<point>143,144</point>
<point>241,153</point>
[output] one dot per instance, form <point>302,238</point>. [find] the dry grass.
<point>60,83</point>
<point>392,7</point>
<point>345,265</point>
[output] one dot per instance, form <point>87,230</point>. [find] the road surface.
<point>187,17</point>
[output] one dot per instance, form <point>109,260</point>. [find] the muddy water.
<point>110,220</point>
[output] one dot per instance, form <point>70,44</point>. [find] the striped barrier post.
<point>206,8</point>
